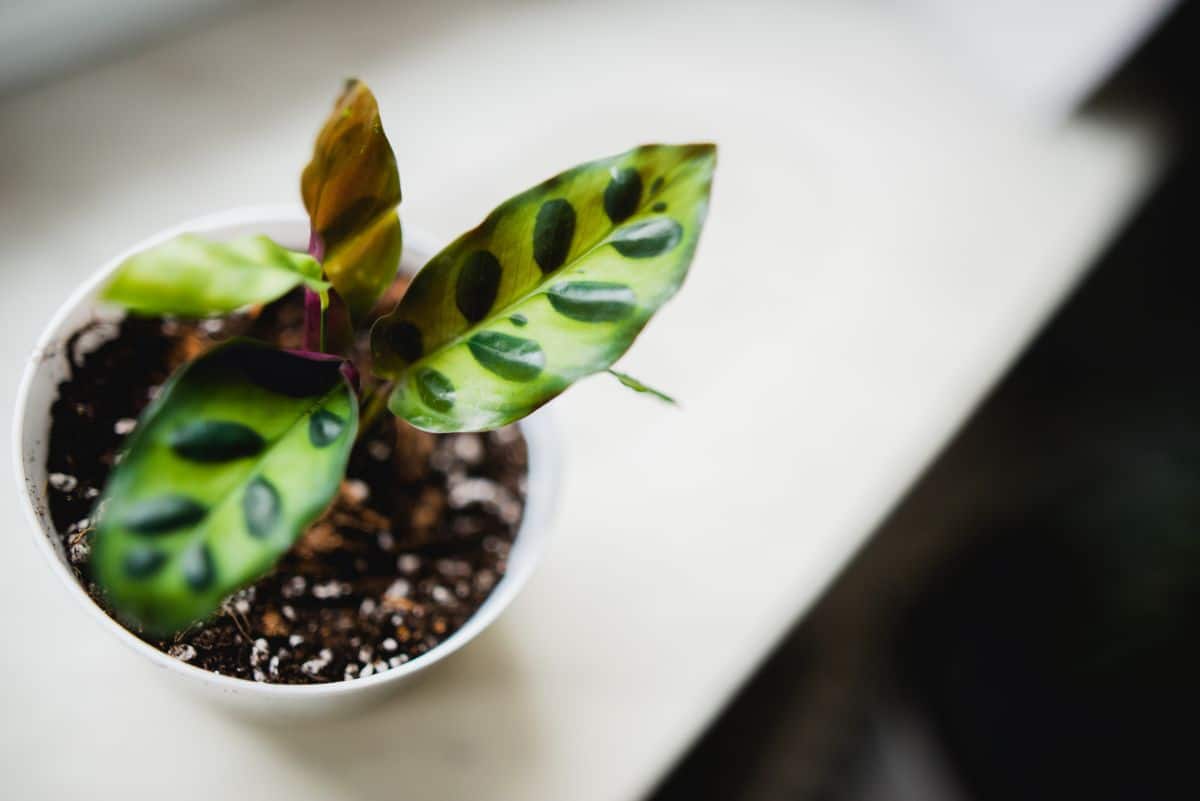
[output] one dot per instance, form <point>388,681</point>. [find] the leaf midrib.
<point>253,469</point>
<point>197,532</point>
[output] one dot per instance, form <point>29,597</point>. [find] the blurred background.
<point>1023,624</point>
<point>926,527</point>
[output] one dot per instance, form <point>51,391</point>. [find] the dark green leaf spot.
<point>552,234</point>
<point>279,371</point>
<point>622,195</point>
<point>262,507</point>
<point>657,185</point>
<point>659,206</point>
<point>405,340</point>
<point>196,564</point>
<point>324,427</point>
<point>142,561</point>
<point>435,389</point>
<point>215,441</point>
<point>478,283</point>
<point>647,238</point>
<point>513,358</point>
<point>518,320</point>
<point>163,513</point>
<point>592,301</point>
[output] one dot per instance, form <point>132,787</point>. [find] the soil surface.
<point>416,539</point>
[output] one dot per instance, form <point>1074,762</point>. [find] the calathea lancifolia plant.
<point>246,445</point>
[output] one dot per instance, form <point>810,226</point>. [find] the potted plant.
<point>298,473</point>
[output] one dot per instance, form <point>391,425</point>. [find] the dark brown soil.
<point>415,541</point>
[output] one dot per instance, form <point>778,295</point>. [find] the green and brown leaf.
<point>351,188</point>
<point>554,285</point>
<point>190,276</point>
<point>241,450</point>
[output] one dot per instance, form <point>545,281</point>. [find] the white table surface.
<point>880,245</point>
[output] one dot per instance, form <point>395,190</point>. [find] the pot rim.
<point>540,497</point>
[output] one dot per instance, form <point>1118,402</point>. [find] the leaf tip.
<point>638,386</point>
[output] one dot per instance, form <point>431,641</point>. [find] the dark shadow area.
<point>1023,625</point>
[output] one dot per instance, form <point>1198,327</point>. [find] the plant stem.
<point>315,304</point>
<point>374,406</point>
<point>313,322</point>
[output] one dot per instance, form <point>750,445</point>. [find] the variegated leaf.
<point>554,285</point>
<point>241,450</point>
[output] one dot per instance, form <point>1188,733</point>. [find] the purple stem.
<point>316,246</point>
<point>315,355</point>
<point>312,320</point>
<point>312,301</point>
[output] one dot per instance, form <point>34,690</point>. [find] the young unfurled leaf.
<point>554,285</point>
<point>191,277</point>
<point>637,386</point>
<point>350,189</point>
<point>241,450</point>
<point>363,266</point>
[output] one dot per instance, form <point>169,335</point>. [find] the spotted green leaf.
<point>351,188</point>
<point>554,285</point>
<point>241,450</point>
<point>190,276</point>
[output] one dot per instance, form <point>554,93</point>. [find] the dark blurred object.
<point>1022,626</point>
<point>1057,661</point>
<point>1057,657</point>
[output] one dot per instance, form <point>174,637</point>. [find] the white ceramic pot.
<point>48,366</point>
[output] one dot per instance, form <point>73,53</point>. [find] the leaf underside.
<point>554,285</point>
<point>241,450</point>
<point>189,276</point>
<point>351,188</point>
